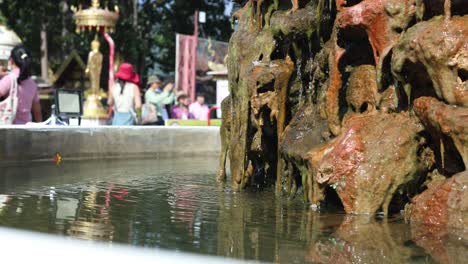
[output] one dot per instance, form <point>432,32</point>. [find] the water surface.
<point>176,204</point>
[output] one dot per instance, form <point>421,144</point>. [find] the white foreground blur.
<point>28,247</point>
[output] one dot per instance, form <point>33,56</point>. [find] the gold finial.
<point>95,4</point>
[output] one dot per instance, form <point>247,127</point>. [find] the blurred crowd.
<point>19,97</point>
<point>159,103</point>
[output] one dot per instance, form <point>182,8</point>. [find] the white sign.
<point>222,91</point>
<point>202,17</point>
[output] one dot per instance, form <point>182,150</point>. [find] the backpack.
<point>148,114</point>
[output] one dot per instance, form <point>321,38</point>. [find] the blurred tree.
<point>145,36</point>
<point>2,19</point>
<point>29,17</point>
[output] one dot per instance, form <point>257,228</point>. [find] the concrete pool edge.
<point>22,143</point>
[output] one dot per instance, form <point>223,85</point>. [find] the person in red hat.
<point>125,96</point>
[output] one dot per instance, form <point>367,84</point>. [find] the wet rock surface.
<point>439,217</point>
<point>365,177</point>
<point>444,120</point>
<point>365,99</point>
<point>443,204</point>
<point>439,50</point>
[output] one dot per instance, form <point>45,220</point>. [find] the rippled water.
<point>177,204</point>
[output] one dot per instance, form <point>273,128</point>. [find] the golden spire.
<point>95,4</point>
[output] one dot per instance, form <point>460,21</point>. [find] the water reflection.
<point>66,208</point>
<point>183,203</point>
<point>365,240</point>
<point>176,205</point>
<point>3,200</point>
<point>92,219</point>
<point>444,244</point>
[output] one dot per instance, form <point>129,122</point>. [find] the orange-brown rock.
<point>435,50</point>
<point>382,22</point>
<point>439,217</point>
<point>452,121</point>
<point>381,19</point>
<point>375,155</point>
<point>362,91</point>
<point>444,203</point>
<point>365,97</point>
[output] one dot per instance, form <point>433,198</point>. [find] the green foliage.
<point>148,42</point>
<point>28,17</point>
<point>2,19</point>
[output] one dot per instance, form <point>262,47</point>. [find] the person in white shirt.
<point>199,109</point>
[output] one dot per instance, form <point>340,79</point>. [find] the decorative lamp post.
<point>99,20</point>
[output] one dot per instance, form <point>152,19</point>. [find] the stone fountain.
<point>366,100</point>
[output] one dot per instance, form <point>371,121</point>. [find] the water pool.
<point>177,204</point>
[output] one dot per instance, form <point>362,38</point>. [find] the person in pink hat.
<point>125,97</point>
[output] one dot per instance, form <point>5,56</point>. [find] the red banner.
<point>186,54</point>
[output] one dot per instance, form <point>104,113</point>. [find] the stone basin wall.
<point>367,99</point>
<point>25,144</point>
